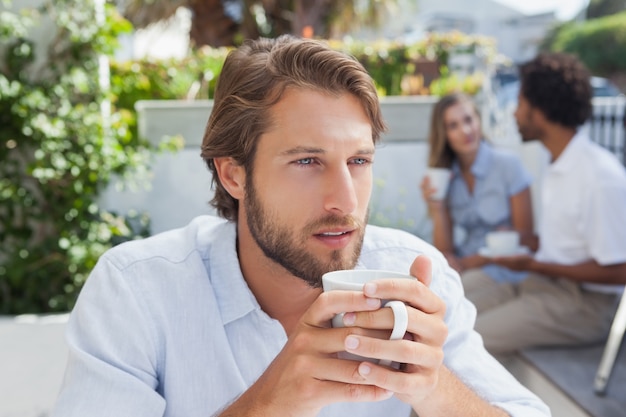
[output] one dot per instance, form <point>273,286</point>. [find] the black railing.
<point>607,126</point>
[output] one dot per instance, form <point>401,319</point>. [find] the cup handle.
<point>400,324</point>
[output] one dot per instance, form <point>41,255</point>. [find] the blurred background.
<point>76,165</point>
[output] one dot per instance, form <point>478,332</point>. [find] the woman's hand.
<point>454,262</point>
<point>434,206</point>
<point>473,261</point>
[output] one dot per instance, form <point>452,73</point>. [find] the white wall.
<point>180,186</point>
<point>33,354</point>
<point>180,183</point>
<point>167,39</point>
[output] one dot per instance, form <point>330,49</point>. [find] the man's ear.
<point>231,175</point>
<point>537,117</point>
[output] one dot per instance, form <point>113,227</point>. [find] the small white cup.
<point>439,179</point>
<point>502,242</point>
<point>353,280</point>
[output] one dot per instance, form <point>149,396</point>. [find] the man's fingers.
<point>331,303</point>
<point>413,292</point>
<point>401,383</point>
<point>426,327</point>
<point>422,269</point>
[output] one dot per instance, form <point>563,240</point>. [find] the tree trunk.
<point>279,15</point>
<point>210,25</point>
<point>248,27</point>
<point>310,16</point>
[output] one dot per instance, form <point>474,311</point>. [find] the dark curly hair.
<point>559,85</point>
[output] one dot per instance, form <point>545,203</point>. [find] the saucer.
<point>521,250</point>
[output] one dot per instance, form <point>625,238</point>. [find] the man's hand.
<point>421,351</point>
<point>307,374</point>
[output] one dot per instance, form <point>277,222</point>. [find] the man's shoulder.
<point>396,243</point>
<point>387,236</point>
<point>395,250</point>
<point>172,246</point>
<point>603,165</point>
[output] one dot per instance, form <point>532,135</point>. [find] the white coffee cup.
<point>439,180</point>
<point>353,280</point>
<point>502,242</point>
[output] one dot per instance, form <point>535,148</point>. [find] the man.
<point>228,317</point>
<point>570,295</point>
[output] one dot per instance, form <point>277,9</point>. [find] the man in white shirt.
<point>570,295</point>
<point>227,317</point>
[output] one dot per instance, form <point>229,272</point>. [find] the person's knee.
<point>489,295</point>
<point>496,335</point>
<point>473,276</point>
<point>500,347</point>
<point>474,280</point>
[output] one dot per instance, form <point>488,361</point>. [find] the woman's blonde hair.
<point>440,153</point>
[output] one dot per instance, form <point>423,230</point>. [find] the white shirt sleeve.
<point>467,358</point>
<point>605,221</point>
<point>110,371</point>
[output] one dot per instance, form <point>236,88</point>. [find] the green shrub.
<point>599,43</point>
<point>389,62</point>
<point>58,151</point>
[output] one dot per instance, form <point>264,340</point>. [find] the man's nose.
<point>340,191</point>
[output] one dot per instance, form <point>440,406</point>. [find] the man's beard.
<point>527,135</point>
<point>527,131</point>
<point>287,248</point>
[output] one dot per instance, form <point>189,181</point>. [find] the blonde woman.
<point>489,190</point>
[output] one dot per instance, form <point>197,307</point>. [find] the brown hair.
<point>254,78</point>
<point>440,153</point>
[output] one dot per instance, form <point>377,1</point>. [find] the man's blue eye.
<point>305,161</point>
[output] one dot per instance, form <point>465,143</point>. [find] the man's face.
<point>525,116</point>
<point>307,197</point>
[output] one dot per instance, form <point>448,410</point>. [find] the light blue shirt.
<point>166,326</point>
<point>498,176</point>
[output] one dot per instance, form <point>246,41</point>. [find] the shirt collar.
<point>569,157</point>
<point>234,297</point>
<point>482,163</point>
